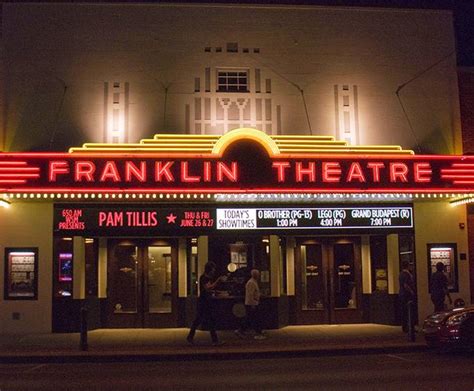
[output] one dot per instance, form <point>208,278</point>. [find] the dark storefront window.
<point>406,246</point>
<point>159,279</point>
<point>313,294</point>
<point>283,268</point>
<point>123,278</point>
<point>235,257</point>
<point>345,292</point>
<point>378,261</point>
<point>63,267</point>
<point>91,258</point>
<point>192,267</point>
<point>63,271</point>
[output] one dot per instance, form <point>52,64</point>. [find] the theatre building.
<point>320,145</point>
<point>130,227</point>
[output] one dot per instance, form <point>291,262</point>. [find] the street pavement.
<point>170,344</point>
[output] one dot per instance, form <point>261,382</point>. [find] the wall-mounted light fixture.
<point>4,203</point>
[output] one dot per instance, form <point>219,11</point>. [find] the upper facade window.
<point>232,80</point>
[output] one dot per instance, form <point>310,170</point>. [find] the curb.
<point>83,357</point>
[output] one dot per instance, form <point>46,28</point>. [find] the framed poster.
<point>65,267</point>
<point>21,273</point>
<point>446,253</point>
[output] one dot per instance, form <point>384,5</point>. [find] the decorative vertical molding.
<point>336,109</point>
<point>356,115</point>
<point>106,111</point>
<point>278,114</point>
<point>257,81</point>
<point>126,112</point>
<point>116,112</point>
<point>208,80</point>
<point>346,111</point>
<point>187,119</point>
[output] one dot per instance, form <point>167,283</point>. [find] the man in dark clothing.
<point>405,295</point>
<point>204,309</point>
<point>439,288</point>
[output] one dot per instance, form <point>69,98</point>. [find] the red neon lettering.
<point>111,219</point>
<point>423,172</point>
<point>398,171</point>
<point>301,172</point>
<point>331,172</point>
<point>102,216</point>
<point>56,168</point>
<point>185,177</point>
<point>375,167</point>
<point>281,167</point>
<point>131,170</point>
<point>207,172</point>
<point>355,172</point>
<point>110,171</point>
<point>84,169</point>
<point>230,173</point>
<point>163,170</point>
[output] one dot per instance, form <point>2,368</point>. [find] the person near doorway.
<point>252,302</point>
<point>439,288</point>
<point>205,313</point>
<point>406,296</point>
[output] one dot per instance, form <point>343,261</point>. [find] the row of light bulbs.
<point>462,198</point>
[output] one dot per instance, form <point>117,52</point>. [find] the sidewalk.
<point>170,344</point>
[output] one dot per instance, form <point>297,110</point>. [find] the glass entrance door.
<point>141,284</point>
<point>328,281</point>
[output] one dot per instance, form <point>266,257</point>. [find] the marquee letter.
<point>163,170</point>
<point>375,167</point>
<point>207,172</point>
<point>423,172</point>
<point>56,168</point>
<point>331,172</point>
<point>310,171</point>
<point>281,166</point>
<point>224,170</point>
<point>84,169</point>
<point>132,170</point>
<point>398,171</point>
<point>355,172</point>
<point>185,177</point>
<point>110,171</point>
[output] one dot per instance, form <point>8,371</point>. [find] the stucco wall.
<point>59,57</point>
<point>28,225</point>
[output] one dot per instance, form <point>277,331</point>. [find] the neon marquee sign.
<point>243,160</point>
<point>43,172</point>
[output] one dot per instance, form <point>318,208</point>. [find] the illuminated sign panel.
<point>147,221</point>
<point>314,218</point>
<point>42,172</point>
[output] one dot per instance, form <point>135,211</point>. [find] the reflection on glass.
<point>345,291</point>
<point>124,281</point>
<point>159,279</point>
<point>312,277</point>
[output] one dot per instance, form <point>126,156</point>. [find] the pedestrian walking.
<point>439,288</point>
<point>406,296</point>
<point>205,312</point>
<point>252,302</point>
